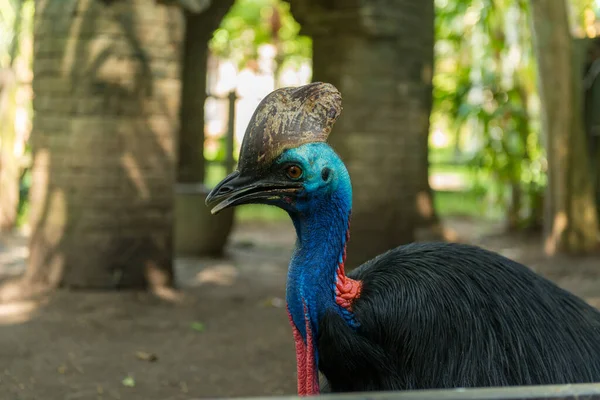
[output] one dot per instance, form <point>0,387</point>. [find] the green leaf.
<point>198,326</point>
<point>128,381</point>
<point>249,24</point>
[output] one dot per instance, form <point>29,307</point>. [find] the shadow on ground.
<point>228,337</point>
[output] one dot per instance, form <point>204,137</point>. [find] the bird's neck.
<point>317,281</point>
<point>316,275</point>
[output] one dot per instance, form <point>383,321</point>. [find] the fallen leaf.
<point>145,356</point>
<point>183,386</point>
<point>275,302</point>
<point>198,326</point>
<point>128,381</point>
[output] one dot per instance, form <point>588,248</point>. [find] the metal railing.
<point>557,392</point>
<point>229,162</point>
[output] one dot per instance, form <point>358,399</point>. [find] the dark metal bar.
<point>556,392</point>
<point>218,97</point>
<point>229,143</point>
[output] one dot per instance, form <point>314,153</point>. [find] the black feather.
<point>441,315</point>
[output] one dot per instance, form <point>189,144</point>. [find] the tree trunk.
<point>190,158</point>
<point>107,88</point>
<point>197,233</point>
<point>198,31</point>
<point>592,105</point>
<point>514,222</point>
<point>427,218</point>
<point>571,222</point>
<point>380,56</point>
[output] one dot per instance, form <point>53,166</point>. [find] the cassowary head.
<point>284,160</point>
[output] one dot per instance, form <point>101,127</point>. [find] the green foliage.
<point>484,86</point>
<point>578,11</point>
<point>484,89</point>
<point>219,153</point>
<point>252,23</point>
<point>16,23</point>
<point>465,204</point>
<point>16,19</point>
<point>9,15</point>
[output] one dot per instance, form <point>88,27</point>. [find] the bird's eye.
<point>293,172</point>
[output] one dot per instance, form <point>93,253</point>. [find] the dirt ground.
<point>228,337</point>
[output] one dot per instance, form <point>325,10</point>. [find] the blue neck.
<point>319,250</point>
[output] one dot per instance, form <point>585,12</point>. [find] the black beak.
<point>236,189</point>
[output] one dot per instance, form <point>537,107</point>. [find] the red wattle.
<point>308,378</point>
<point>346,289</point>
<point>312,380</point>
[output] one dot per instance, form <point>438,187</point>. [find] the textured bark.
<point>192,6</point>
<point>592,105</point>
<point>571,222</point>
<point>380,56</point>
<point>107,87</point>
<point>427,216</point>
<point>199,28</point>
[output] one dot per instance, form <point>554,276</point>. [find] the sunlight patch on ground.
<point>513,253</point>
<point>134,171</point>
<point>195,272</point>
<point>558,227</point>
<point>594,302</point>
<point>220,274</point>
<point>168,294</point>
<point>18,312</point>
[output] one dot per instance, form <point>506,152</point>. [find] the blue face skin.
<point>320,213</point>
<point>324,178</point>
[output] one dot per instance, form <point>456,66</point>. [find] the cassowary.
<point>420,316</point>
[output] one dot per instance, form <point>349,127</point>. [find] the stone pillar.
<point>107,86</point>
<point>380,56</point>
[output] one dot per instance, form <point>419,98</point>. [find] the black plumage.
<point>441,315</point>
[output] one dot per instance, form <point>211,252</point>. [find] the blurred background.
<point>470,121</point>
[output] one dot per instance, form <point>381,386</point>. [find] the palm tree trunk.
<point>380,56</point>
<point>106,84</point>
